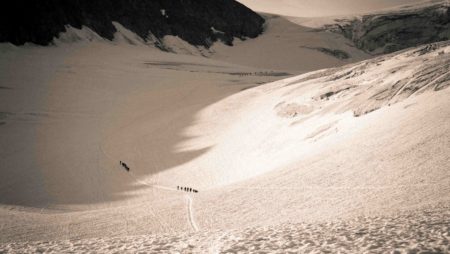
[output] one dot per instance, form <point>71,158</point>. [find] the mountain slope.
<point>287,158</point>
<point>279,123</point>
<point>285,45</point>
<point>394,30</point>
<point>199,22</point>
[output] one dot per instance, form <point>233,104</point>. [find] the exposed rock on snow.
<point>39,22</point>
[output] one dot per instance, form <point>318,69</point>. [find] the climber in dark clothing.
<point>124,165</point>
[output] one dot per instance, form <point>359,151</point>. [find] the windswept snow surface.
<point>351,159</point>
<point>413,232</point>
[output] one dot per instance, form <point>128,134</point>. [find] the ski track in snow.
<point>190,211</point>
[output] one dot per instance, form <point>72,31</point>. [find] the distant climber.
<point>125,166</point>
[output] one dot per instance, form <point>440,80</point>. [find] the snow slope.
<point>272,121</point>
<point>404,233</point>
<point>332,163</point>
<point>287,169</point>
<point>285,45</point>
<point>60,105</point>
<point>86,92</point>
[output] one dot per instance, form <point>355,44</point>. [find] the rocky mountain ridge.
<point>199,22</point>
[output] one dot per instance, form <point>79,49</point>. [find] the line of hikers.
<point>187,189</point>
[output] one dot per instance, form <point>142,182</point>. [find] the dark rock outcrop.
<point>199,22</point>
<point>390,32</point>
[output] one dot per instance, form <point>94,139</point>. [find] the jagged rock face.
<point>390,32</point>
<point>195,21</point>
